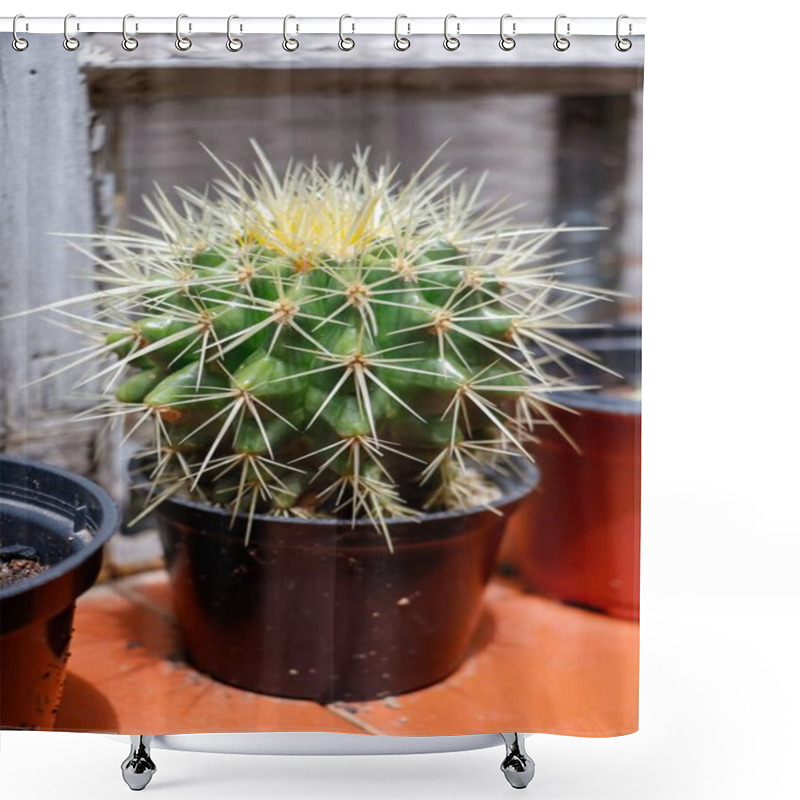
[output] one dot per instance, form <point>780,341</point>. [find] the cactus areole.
<point>330,342</point>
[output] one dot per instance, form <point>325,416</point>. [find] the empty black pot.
<point>61,520</point>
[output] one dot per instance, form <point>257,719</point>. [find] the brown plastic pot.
<point>319,610</point>
<point>63,520</point>
<point>577,538</point>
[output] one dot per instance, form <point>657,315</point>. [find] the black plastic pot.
<point>320,610</point>
<point>63,519</point>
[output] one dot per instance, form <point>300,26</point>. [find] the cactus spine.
<point>330,341</point>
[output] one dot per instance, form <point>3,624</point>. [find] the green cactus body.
<point>333,342</point>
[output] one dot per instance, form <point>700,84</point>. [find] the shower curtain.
<point>312,543</point>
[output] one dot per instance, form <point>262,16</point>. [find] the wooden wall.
<point>45,189</point>
<point>80,144</point>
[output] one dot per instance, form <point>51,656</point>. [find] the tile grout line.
<point>353,719</point>
<point>134,597</point>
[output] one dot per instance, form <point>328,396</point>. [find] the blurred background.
<point>559,134</point>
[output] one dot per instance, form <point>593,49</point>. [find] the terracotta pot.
<point>576,539</point>
<point>318,610</point>
<point>63,520</point>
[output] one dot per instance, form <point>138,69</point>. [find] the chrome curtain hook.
<point>401,42</point>
<point>345,42</point>
<point>623,45</point>
<point>70,42</point>
<point>129,43</point>
<point>561,43</point>
<point>507,42</point>
<point>18,43</point>
<point>451,43</point>
<point>289,43</point>
<point>233,44</point>
<point>183,43</point>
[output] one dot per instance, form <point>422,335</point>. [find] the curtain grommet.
<point>129,43</point>
<point>346,43</point>
<point>401,43</point>
<point>182,43</point>
<point>18,43</point>
<point>507,42</point>
<point>622,44</point>
<point>289,44</point>
<point>70,43</point>
<point>561,43</point>
<point>451,43</point>
<point>233,44</point>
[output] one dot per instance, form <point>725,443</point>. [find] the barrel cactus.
<point>330,341</point>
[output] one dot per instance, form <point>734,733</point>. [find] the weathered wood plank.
<point>160,141</point>
<point>120,84</point>
<point>159,72</point>
<point>592,55</point>
<point>45,189</point>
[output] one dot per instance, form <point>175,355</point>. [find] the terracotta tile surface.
<point>535,665</point>
<point>124,676</point>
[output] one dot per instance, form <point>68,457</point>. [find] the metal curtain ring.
<point>345,42</point>
<point>18,43</point>
<point>183,43</point>
<point>451,43</point>
<point>289,44</point>
<point>129,43</point>
<point>70,42</point>
<point>233,44</point>
<point>401,42</point>
<point>623,45</point>
<point>507,42</point>
<point>561,43</point>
